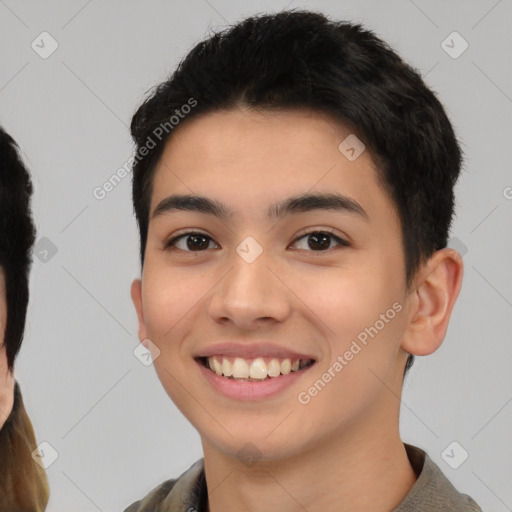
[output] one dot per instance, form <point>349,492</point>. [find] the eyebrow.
<point>292,205</point>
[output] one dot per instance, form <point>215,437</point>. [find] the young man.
<point>293,186</point>
<point>23,483</point>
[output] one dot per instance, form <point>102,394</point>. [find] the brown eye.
<point>320,241</point>
<point>317,241</point>
<point>193,242</point>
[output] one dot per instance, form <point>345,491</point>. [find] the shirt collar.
<point>432,491</point>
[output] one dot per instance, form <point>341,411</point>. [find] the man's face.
<point>250,279</point>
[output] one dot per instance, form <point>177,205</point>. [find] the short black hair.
<point>17,236</point>
<point>299,59</point>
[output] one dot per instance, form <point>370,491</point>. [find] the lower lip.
<point>244,390</point>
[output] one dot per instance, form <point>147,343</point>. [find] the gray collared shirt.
<point>432,491</point>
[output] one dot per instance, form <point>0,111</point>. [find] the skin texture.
<point>345,442</point>
<point>6,377</point>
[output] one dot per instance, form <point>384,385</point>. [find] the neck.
<point>363,468</point>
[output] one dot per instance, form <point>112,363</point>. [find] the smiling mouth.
<point>259,369</point>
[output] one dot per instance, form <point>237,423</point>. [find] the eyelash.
<point>342,243</point>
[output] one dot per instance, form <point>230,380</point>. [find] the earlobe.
<point>136,293</point>
<point>432,301</point>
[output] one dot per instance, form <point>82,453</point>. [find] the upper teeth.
<point>255,368</point>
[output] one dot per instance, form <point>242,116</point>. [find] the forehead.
<point>227,136</point>
<point>249,158</point>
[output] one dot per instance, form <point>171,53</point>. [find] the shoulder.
<point>432,491</point>
<point>20,479</point>
<point>153,498</point>
<point>177,494</point>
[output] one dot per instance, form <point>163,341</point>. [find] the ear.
<point>431,302</point>
<point>136,293</point>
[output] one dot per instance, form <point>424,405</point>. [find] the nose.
<point>250,295</point>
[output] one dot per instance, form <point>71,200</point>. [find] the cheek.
<point>169,295</point>
<point>368,322</point>
<point>365,315</point>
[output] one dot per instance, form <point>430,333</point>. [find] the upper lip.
<point>251,351</point>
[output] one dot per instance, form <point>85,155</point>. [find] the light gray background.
<point>115,430</point>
